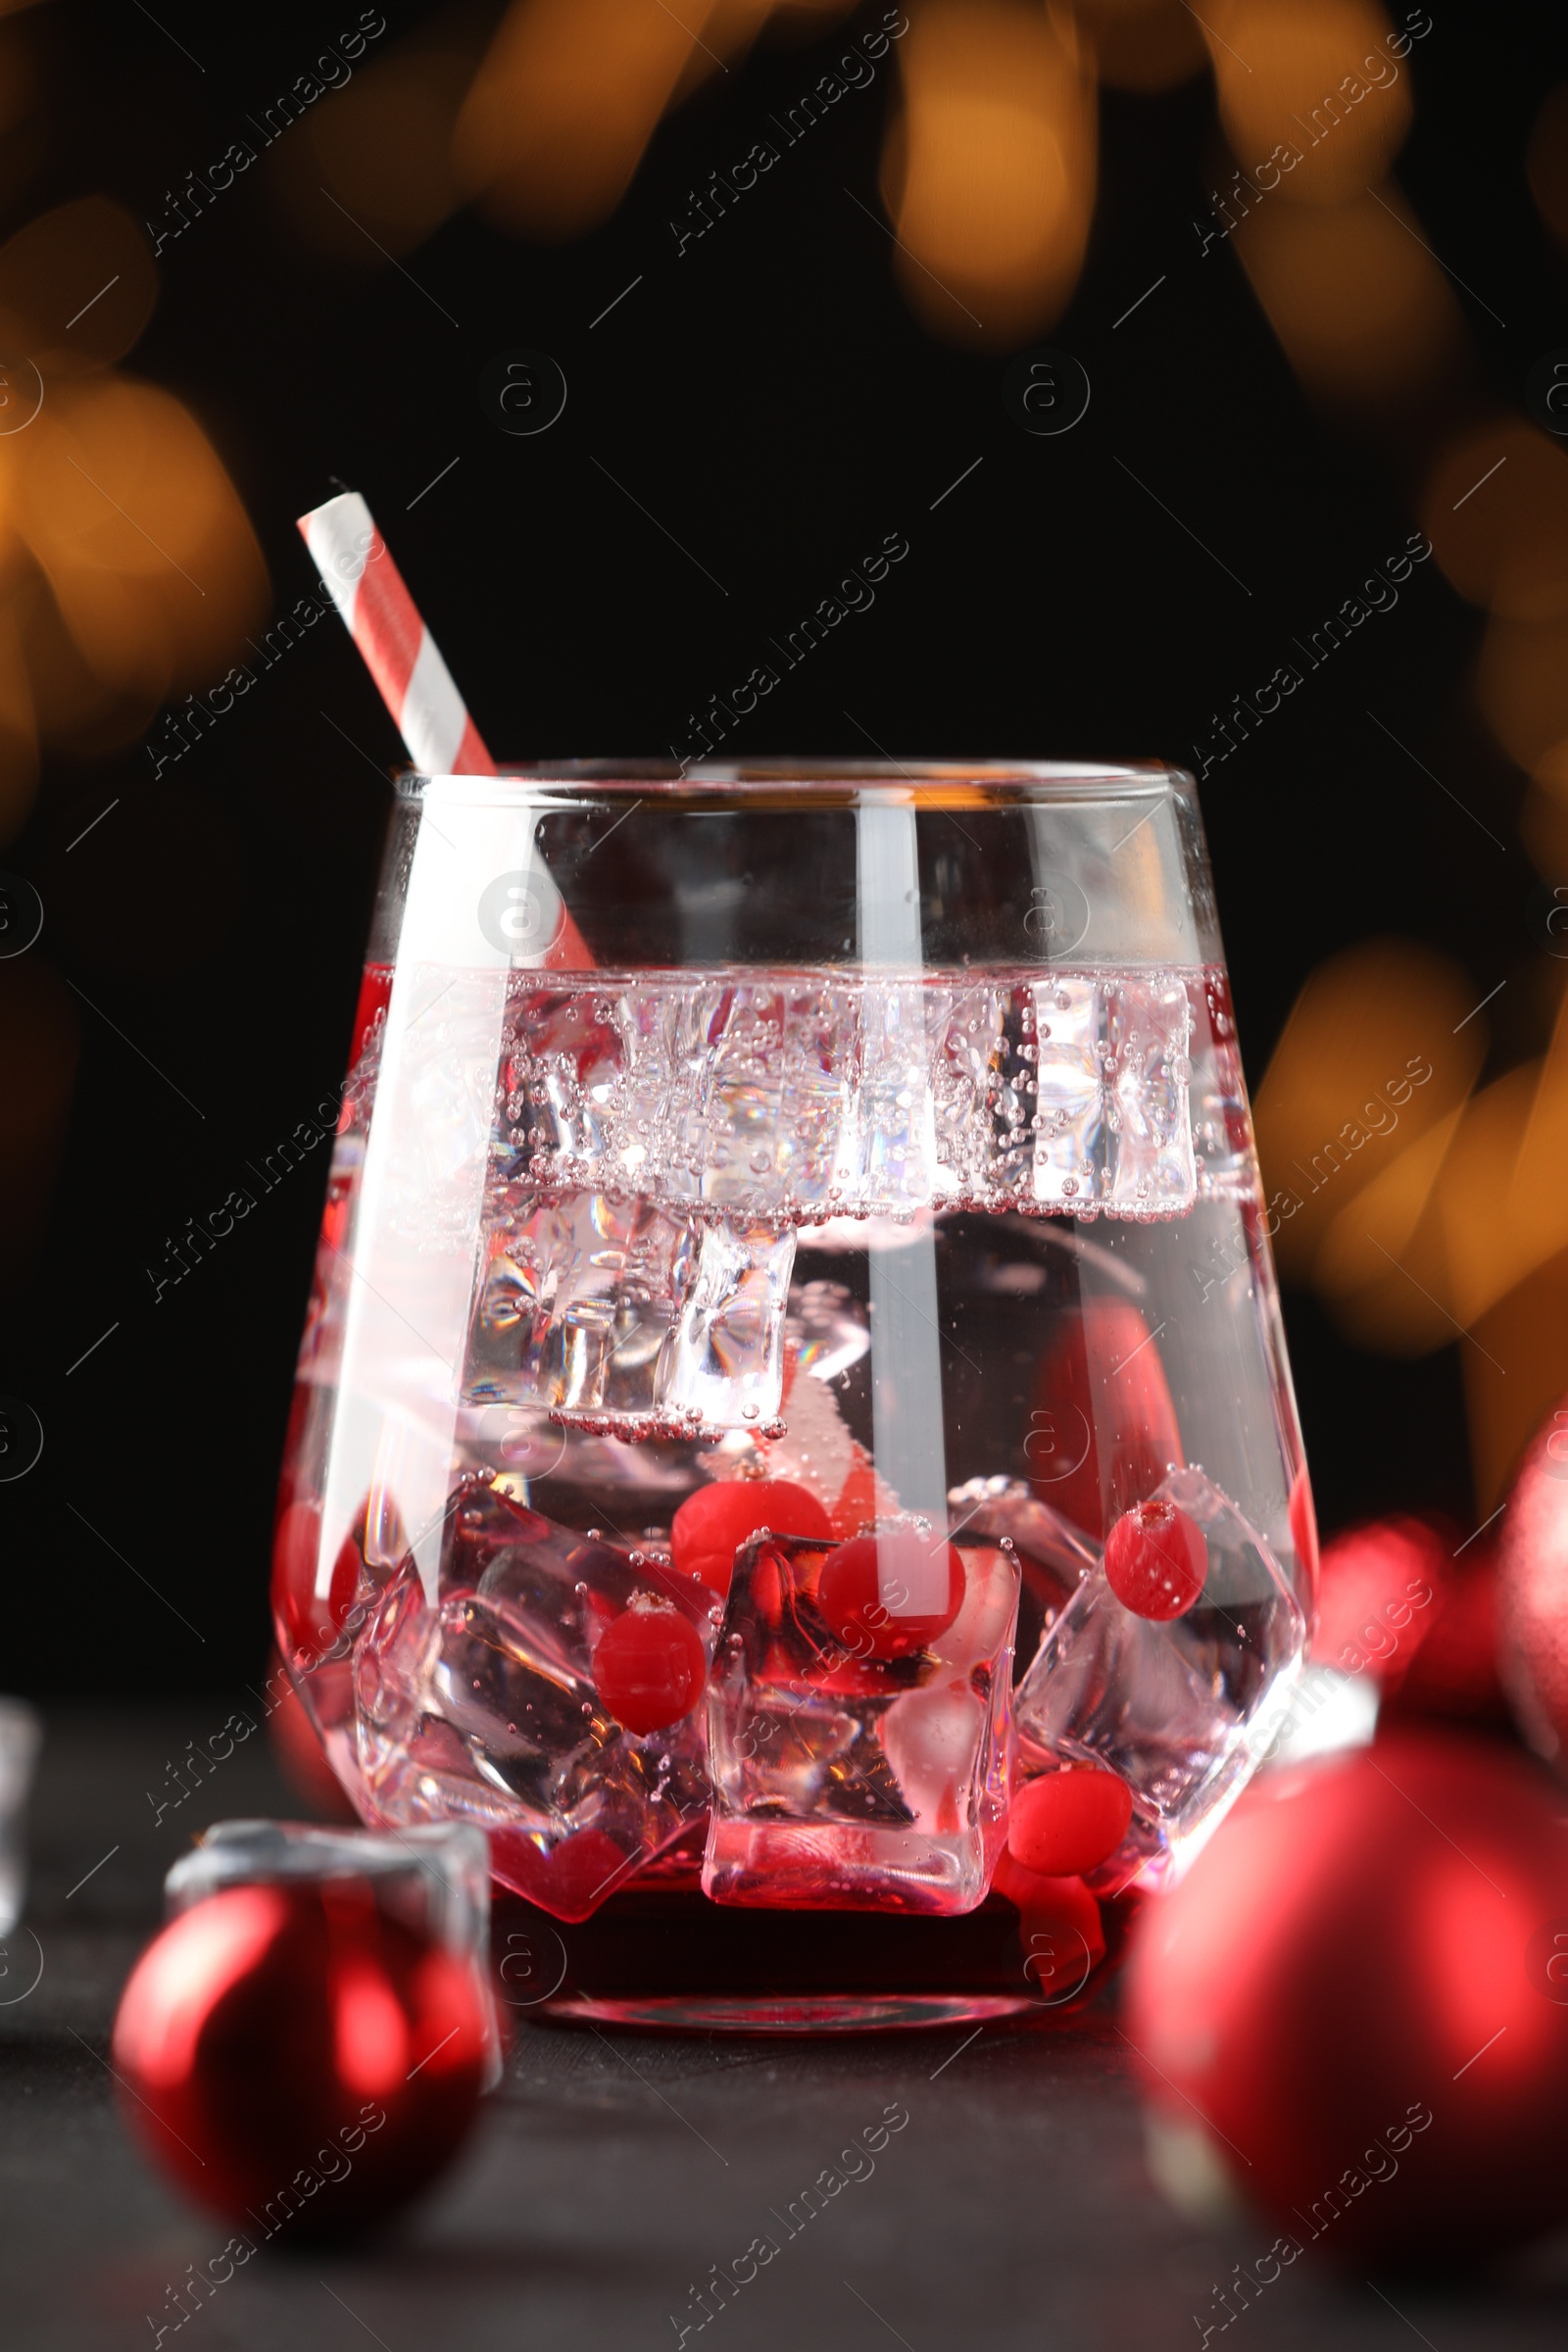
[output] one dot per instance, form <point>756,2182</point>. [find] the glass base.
<point>662,1958</point>
<point>789,2013</point>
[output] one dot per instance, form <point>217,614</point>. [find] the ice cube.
<point>20,1735</point>
<point>1112,1121</point>
<point>723,1363</point>
<point>433,1880</point>
<point>486,1708</point>
<point>843,1780</point>
<point>1053,1555</point>
<point>1183,1708</point>
<point>574,1300</point>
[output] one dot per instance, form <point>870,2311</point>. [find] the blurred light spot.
<point>1142,45</point>
<point>1543,829</point>
<point>1369,1053</point>
<point>1546,161</point>
<point>1521,686</point>
<point>989,170</point>
<point>1496,510</point>
<point>384,151</point>
<point>1363,313</point>
<point>1316,79</point>
<point>19,739</point>
<point>1361,1269</point>
<point>145,545</point>
<point>564,105</point>
<point>1528,1331</point>
<point>77,286</point>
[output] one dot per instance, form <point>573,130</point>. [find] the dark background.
<point>771,398</point>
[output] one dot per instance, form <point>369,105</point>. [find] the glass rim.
<point>827,779</point>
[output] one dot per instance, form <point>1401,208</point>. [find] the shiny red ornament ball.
<point>650,1667</point>
<point>1157,1560</point>
<point>1532,1593</point>
<point>713,1524</point>
<point>1382,1586</point>
<point>1347,2011</point>
<point>851,1589</point>
<point>298,2060</point>
<point>1068,1822</point>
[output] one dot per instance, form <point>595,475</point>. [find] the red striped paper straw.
<point>414,682</point>
<point>399,653</point>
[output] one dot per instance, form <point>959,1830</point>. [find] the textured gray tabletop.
<point>611,2175</point>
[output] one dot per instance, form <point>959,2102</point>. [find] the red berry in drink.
<point>713,1524</point>
<point>857,1592</point>
<point>1068,1822</point>
<point>650,1666</point>
<point>308,1626</point>
<point>1155,1560</point>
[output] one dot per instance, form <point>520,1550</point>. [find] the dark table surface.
<point>609,2173</point>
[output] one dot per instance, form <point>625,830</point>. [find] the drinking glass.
<point>793,1434</point>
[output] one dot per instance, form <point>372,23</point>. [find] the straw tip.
<point>346,506</point>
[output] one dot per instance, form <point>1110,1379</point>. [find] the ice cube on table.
<point>485,1708</point>
<point>1183,1708</point>
<point>435,1881</point>
<point>21,1736</point>
<point>845,1780</point>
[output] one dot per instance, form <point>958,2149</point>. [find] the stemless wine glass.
<point>792,1434</point>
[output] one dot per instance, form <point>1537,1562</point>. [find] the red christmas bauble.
<point>1353,2006</point>
<point>1532,1593</point>
<point>713,1524</point>
<point>299,2061</point>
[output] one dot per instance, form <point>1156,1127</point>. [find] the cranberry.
<point>650,1666</point>
<point>1068,1822</point>
<point>308,1626</point>
<point>713,1524</point>
<point>850,1592</point>
<point>1155,1560</point>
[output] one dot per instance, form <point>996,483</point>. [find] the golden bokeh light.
<point>128,511</point>
<point>1144,45</point>
<point>1521,686</point>
<point>564,105</point>
<point>989,170</point>
<point>1316,82</point>
<point>1546,161</point>
<point>77,286</point>
<point>1496,510</point>
<point>1363,313</point>
<point>1515,1373</point>
<point>1544,825</point>
<point>1370,1053</point>
<point>371,175</point>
